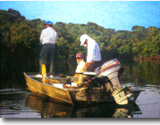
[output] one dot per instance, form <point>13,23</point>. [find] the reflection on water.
<point>25,105</point>
<point>141,73</point>
<point>52,110</point>
<point>12,101</point>
<point>47,108</point>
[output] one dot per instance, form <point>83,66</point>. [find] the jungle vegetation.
<point>20,46</point>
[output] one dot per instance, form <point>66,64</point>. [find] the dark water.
<point>16,101</point>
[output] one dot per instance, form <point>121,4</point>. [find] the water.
<point>17,101</point>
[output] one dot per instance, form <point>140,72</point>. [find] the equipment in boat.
<point>103,85</point>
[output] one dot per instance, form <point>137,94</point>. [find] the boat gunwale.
<point>66,89</point>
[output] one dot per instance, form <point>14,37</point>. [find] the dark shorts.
<point>47,49</point>
<point>93,66</point>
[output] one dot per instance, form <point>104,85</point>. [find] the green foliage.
<point>20,44</point>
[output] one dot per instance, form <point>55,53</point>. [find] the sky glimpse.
<point>118,15</point>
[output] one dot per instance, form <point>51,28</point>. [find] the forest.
<point>20,45</point>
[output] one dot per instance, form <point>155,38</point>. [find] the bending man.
<point>93,52</point>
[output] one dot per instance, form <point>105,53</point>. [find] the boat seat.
<point>90,73</point>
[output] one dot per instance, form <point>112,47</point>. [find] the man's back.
<point>48,35</point>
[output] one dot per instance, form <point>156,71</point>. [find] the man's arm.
<point>41,36</point>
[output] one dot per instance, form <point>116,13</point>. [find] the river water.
<point>16,101</point>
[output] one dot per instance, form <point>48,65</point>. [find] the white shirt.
<point>80,66</point>
<point>48,35</point>
<point>93,50</point>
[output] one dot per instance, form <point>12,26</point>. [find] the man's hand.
<point>86,65</point>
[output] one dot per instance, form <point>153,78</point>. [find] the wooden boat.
<point>103,86</point>
<point>70,95</point>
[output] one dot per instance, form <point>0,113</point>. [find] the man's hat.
<point>79,55</point>
<point>48,22</point>
<point>83,38</point>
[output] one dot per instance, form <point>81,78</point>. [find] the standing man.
<point>93,52</point>
<point>48,39</point>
